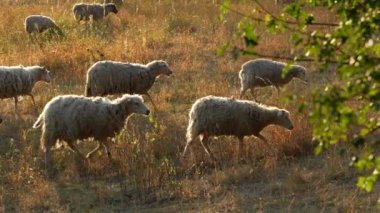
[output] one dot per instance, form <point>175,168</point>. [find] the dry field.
<point>146,174</point>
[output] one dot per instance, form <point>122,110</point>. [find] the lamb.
<point>83,11</point>
<point>265,72</point>
<point>19,80</point>
<point>39,24</point>
<point>72,117</point>
<point>110,77</point>
<point>215,116</point>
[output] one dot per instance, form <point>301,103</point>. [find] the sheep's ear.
<point>281,113</point>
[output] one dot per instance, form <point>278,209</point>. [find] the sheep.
<point>110,77</point>
<point>215,116</point>
<point>39,24</point>
<point>19,80</point>
<point>72,117</point>
<point>265,72</point>
<point>83,11</point>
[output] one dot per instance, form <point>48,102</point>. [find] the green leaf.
<point>222,49</point>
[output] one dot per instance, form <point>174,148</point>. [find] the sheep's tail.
<point>39,122</point>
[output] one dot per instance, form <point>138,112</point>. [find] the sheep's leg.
<point>16,101</point>
<point>278,91</point>
<point>105,145</point>
<point>34,102</point>
<point>266,142</point>
<point>75,149</point>
<point>188,144</point>
<point>93,151</point>
<point>47,157</point>
<point>242,91</point>
<point>241,147</point>
<point>46,153</point>
<point>204,142</point>
<point>253,94</point>
<point>151,100</point>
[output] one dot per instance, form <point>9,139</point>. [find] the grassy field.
<point>146,173</point>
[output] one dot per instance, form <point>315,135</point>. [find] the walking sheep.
<point>19,80</point>
<point>72,118</point>
<point>110,77</point>
<point>39,24</point>
<point>265,72</point>
<point>215,116</point>
<point>83,11</point>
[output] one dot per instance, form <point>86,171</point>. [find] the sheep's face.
<point>163,68</point>
<point>301,73</point>
<point>135,104</point>
<point>284,120</point>
<point>111,7</point>
<point>44,74</point>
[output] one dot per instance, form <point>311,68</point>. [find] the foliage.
<point>347,110</point>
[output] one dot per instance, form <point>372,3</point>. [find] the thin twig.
<point>261,20</point>
<point>292,22</point>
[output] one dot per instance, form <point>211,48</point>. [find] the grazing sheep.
<point>83,11</point>
<point>19,80</point>
<point>110,77</point>
<point>72,118</point>
<point>265,72</point>
<point>39,24</point>
<point>215,116</point>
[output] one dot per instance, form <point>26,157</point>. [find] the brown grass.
<point>146,173</point>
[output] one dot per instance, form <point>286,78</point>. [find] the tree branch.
<point>260,20</point>
<point>292,22</point>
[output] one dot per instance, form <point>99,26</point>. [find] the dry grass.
<point>146,174</point>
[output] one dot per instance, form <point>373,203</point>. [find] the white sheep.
<point>71,117</point>
<point>39,24</point>
<point>215,116</point>
<point>19,80</point>
<point>110,77</point>
<point>83,11</point>
<point>265,72</point>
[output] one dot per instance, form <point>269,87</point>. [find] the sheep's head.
<point>134,104</point>
<point>282,119</point>
<point>111,8</point>
<point>43,74</point>
<point>300,72</point>
<point>161,67</point>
